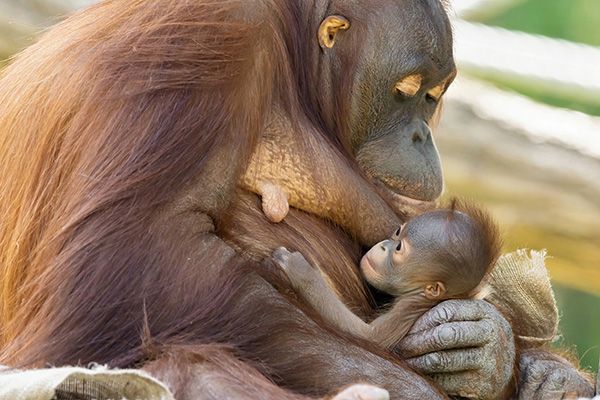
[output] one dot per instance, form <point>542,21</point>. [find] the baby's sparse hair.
<point>478,246</point>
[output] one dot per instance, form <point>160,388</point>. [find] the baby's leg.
<point>274,201</point>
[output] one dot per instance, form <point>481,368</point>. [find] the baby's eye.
<point>399,247</point>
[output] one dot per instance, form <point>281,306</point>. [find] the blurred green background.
<point>573,20</point>
<point>539,204</point>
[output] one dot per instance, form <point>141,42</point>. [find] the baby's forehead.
<point>433,224</point>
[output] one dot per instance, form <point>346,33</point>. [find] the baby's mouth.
<point>367,266</point>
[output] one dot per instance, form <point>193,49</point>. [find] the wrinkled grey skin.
<point>546,376</point>
<point>466,346</point>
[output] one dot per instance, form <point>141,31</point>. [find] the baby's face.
<point>385,266</point>
<point>396,265</point>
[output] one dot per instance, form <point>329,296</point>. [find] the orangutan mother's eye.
<point>434,95</point>
<point>408,86</point>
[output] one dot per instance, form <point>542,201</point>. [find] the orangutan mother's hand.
<point>546,376</point>
<point>466,346</point>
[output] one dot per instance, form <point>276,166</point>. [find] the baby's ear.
<point>435,291</point>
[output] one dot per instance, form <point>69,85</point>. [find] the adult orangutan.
<point>124,236</point>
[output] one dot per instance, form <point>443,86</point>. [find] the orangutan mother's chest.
<point>323,244</point>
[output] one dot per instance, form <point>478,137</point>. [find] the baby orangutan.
<point>438,255</point>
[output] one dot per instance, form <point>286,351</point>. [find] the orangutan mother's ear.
<point>329,29</point>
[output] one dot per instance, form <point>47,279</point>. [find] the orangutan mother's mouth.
<point>399,202</point>
<point>405,199</point>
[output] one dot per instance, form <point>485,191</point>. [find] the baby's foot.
<point>274,202</point>
<point>362,392</point>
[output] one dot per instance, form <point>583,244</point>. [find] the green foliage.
<point>574,20</point>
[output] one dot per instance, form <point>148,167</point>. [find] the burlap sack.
<point>521,287</point>
<point>80,384</point>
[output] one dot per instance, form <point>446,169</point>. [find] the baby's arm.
<point>387,330</point>
<point>310,285</point>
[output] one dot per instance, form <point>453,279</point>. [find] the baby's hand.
<point>300,273</point>
<point>274,202</point>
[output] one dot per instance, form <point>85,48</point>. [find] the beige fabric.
<point>80,384</point>
<point>521,287</point>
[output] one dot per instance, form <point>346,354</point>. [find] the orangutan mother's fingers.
<point>448,336</point>
<point>453,311</point>
<point>448,361</point>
